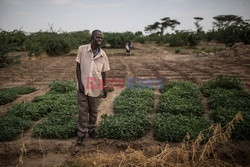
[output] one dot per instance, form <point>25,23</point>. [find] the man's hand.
<point>81,88</point>
<point>105,92</point>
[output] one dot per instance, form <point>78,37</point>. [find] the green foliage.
<point>183,38</point>
<point>61,104</point>
<point>7,96</point>
<point>10,94</point>
<point>27,111</point>
<point>241,129</point>
<point>181,98</point>
<point>57,86</point>
<point>57,125</point>
<point>6,60</point>
<point>180,105</point>
<point>185,85</point>
<point>49,42</point>
<point>58,102</point>
<point>77,38</point>
<point>132,105</point>
<point>174,128</point>
<point>23,90</point>
<point>226,92</point>
<point>226,98</point>
<point>177,50</point>
<point>124,126</point>
<point>12,126</point>
<point>134,100</point>
<point>11,40</point>
<point>223,82</point>
<point>233,99</point>
<point>231,34</point>
<point>117,40</point>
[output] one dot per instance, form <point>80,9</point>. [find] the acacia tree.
<point>197,23</point>
<point>160,27</point>
<point>224,21</point>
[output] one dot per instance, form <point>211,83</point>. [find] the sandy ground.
<point>146,61</point>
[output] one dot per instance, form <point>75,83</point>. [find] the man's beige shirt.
<point>91,69</point>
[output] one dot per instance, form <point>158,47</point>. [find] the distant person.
<point>92,63</point>
<point>128,48</point>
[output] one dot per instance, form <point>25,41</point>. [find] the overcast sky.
<point>113,15</point>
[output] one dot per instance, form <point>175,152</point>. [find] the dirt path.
<point>146,61</point>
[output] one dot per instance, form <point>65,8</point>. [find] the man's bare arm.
<point>104,85</point>
<point>79,78</point>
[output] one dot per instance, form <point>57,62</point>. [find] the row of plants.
<point>131,118</point>
<point>58,107</point>
<point>226,98</point>
<point>180,112</point>
<point>10,94</point>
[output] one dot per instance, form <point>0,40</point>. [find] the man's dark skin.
<point>96,42</point>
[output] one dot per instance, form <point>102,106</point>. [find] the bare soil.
<point>147,61</point>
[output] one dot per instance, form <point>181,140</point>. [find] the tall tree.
<point>197,23</point>
<point>223,21</point>
<point>152,28</point>
<point>160,27</point>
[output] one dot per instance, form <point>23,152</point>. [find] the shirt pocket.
<point>99,66</point>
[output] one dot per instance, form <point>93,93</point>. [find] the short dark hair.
<point>95,31</point>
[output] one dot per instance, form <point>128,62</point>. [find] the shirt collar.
<point>100,54</point>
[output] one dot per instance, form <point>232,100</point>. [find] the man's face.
<point>97,38</point>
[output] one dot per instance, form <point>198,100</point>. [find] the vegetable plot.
<point>131,119</point>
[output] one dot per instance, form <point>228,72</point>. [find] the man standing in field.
<point>92,63</point>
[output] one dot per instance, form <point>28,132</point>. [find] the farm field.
<point>147,61</point>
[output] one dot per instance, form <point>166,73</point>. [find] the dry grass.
<point>188,153</point>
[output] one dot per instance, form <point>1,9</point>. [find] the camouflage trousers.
<point>87,113</point>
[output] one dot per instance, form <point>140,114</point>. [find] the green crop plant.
<point>241,129</point>
<point>174,128</point>
<point>57,125</point>
<point>12,126</point>
<point>234,99</point>
<point>181,98</point>
<point>222,82</point>
<point>28,111</point>
<point>10,94</point>
<point>134,100</point>
<point>127,126</point>
<point>57,86</point>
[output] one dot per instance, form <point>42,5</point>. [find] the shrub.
<point>174,128</point>
<point>177,50</point>
<point>6,60</point>
<point>124,126</point>
<point>12,126</point>
<point>223,82</point>
<point>49,42</point>
<point>77,38</point>
<point>12,40</point>
<point>62,86</point>
<point>241,129</point>
<point>117,40</point>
